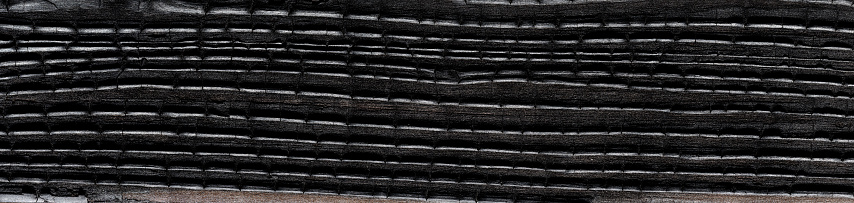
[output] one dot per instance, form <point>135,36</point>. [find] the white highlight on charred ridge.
<point>511,80</point>
<point>271,13</point>
<point>829,2</point>
<point>54,29</point>
<point>463,74</point>
<point>319,14</point>
<point>501,25</point>
<point>374,35</point>
<point>384,50</point>
<point>254,189</point>
<point>228,11</point>
<point>436,56</point>
<point>429,102</point>
<point>97,30</point>
<point>564,171</point>
<point>383,126</point>
<point>177,7</point>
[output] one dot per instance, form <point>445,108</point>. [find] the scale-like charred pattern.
<point>423,100</point>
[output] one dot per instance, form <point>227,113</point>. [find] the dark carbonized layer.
<point>487,100</point>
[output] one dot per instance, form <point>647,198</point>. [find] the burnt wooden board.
<point>427,100</point>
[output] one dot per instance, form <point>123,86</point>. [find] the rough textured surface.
<point>427,100</point>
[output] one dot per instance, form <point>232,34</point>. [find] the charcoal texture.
<point>481,100</point>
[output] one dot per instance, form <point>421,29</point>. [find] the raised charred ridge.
<point>484,100</point>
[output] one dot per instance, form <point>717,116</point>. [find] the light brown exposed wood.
<point>167,195</point>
